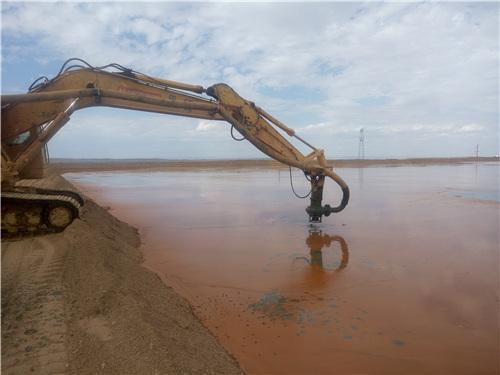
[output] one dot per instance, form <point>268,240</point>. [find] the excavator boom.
<point>30,120</point>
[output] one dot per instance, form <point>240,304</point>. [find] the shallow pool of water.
<point>405,279</point>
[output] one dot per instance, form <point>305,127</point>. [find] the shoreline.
<point>61,166</point>
<point>82,301</point>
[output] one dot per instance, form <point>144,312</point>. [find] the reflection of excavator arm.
<point>30,120</point>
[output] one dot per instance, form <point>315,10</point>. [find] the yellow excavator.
<point>30,120</point>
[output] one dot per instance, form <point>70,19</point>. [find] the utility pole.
<point>477,153</point>
<point>361,146</point>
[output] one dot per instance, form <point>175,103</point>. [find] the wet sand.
<point>80,302</point>
<point>405,280</point>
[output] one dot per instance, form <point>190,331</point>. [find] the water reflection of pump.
<point>316,241</point>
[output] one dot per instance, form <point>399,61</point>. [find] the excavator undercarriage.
<point>37,211</point>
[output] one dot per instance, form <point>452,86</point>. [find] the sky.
<point>421,78</point>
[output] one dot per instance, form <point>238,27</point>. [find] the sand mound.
<point>80,302</point>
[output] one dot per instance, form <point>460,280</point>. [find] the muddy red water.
<point>405,280</point>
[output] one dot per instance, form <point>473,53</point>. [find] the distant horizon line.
<point>472,157</point>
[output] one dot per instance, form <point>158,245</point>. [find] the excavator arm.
<point>256,125</point>
<point>30,120</point>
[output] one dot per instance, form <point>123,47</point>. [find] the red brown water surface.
<point>405,280</point>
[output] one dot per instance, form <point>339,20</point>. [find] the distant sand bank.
<point>88,165</point>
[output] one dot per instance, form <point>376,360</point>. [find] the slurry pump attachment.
<point>315,210</point>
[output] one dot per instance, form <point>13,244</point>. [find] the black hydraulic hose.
<point>345,191</point>
<point>293,189</point>
<point>63,67</point>
<point>343,203</point>
<point>234,137</point>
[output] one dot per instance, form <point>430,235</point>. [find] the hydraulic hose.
<point>345,191</point>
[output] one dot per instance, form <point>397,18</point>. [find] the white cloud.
<point>327,128</point>
<point>419,129</point>
<point>205,126</point>
<point>211,128</point>
<point>435,64</point>
<point>470,128</point>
